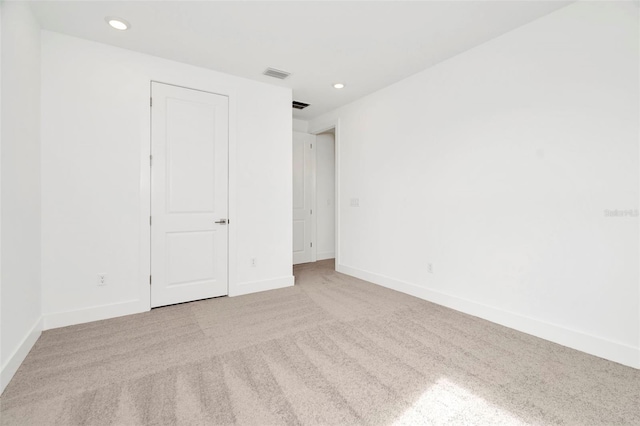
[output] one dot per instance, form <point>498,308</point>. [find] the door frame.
<point>315,130</point>
<point>204,85</point>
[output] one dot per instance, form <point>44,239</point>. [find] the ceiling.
<point>365,45</point>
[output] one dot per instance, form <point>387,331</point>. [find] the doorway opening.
<point>325,195</point>
<point>314,196</point>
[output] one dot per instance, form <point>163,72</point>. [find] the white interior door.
<point>189,185</point>
<point>303,197</point>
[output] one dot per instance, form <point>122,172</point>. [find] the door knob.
<point>222,221</point>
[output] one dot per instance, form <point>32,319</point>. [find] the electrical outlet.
<point>254,262</point>
<point>430,268</point>
<point>102,279</point>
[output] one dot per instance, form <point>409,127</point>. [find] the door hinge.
<point>150,102</point>
<point>311,211</point>
<point>311,244</point>
<point>149,279</point>
<point>149,220</point>
<point>150,159</point>
<point>311,146</point>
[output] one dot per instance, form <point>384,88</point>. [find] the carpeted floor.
<point>332,350</point>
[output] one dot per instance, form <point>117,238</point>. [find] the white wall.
<point>300,125</point>
<point>496,167</point>
<point>20,187</point>
<point>325,196</point>
<point>95,133</point>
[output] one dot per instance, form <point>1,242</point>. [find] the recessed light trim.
<point>338,86</point>
<point>117,23</point>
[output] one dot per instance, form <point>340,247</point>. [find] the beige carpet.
<point>331,350</point>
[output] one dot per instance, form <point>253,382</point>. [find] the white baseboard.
<point>326,255</point>
<point>598,346</point>
<point>94,313</point>
<point>17,357</point>
<point>263,285</point>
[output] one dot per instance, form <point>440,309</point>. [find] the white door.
<point>303,197</point>
<point>189,185</point>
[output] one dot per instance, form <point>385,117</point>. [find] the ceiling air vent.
<point>299,105</point>
<point>272,72</point>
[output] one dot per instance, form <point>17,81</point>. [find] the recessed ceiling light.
<point>117,23</point>
<point>338,85</point>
